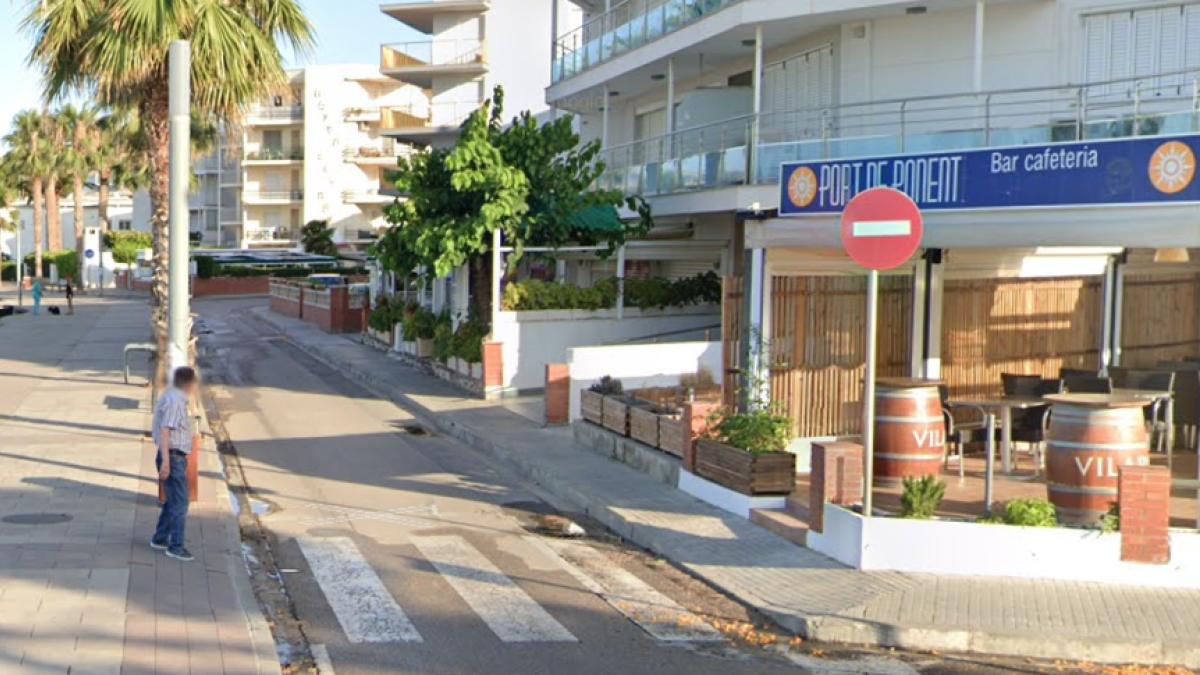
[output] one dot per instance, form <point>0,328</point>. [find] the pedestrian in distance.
<point>172,432</point>
<point>37,297</point>
<point>70,297</point>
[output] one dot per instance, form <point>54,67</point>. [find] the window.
<point>124,225</point>
<point>1141,43</point>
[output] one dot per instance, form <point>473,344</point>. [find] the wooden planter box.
<point>593,407</point>
<point>424,348</point>
<point>746,472</point>
<point>616,415</point>
<point>643,423</point>
<point>670,435</point>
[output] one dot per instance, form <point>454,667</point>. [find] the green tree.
<point>55,165</point>
<point>27,163</point>
<point>80,126</point>
<point>317,238</point>
<point>117,51</point>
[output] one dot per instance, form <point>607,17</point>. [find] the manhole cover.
<point>36,518</point>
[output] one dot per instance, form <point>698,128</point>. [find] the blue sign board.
<point>1129,171</point>
<point>89,254</point>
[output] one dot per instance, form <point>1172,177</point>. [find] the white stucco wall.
<point>639,366</point>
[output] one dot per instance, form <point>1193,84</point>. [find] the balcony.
<point>363,114</point>
<point>273,156</point>
<point>420,14</point>
<point>719,155</point>
<point>275,115</point>
<point>368,196</point>
<point>231,215</point>
<point>419,62</point>
<point>423,123</point>
<point>626,27</point>
<point>269,235</point>
<point>385,153</point>
<point>272,196</point>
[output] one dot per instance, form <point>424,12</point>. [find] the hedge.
<point>67,262</point>
<point>8,271</point>
<point>656,292</point>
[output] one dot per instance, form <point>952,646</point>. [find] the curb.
<point>820,628</point>
<point>265,655</point>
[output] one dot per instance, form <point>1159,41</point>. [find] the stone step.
<point>797,507</point>
<point>782,523</point>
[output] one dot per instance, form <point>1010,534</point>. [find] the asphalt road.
<point>406,552</point>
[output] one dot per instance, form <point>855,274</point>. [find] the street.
<point>406,551</point>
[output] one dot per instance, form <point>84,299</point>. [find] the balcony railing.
<point>272,195</point>
<point>362,195</point>
<point>277,113</point>
<point>429,114</point>
<point>719,155</point>
<point>626,27</point>
<point>275,155</point>
<point>269,234</point>
<point>457,52</point>
<point>386,149</point>
<point>362,114</point>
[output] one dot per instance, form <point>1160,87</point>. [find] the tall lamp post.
<point>180,115</point>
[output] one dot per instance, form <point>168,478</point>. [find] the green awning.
<point>596,219</point>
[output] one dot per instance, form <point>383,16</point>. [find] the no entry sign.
<point>881,228</point>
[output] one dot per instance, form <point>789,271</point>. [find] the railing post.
<point>903,110</point>
<point>1137,108</point>
<point>1195,104</point>
<point>826,132</point>
<point>987,120</point>
<point>1080,113</point>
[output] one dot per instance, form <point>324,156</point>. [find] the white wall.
<point>972,549</point>
<point>534,339</point>
<point>519,49</point>
<point>639,366</point>
<point>118,209</point>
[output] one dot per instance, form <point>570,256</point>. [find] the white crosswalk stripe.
<point>871,665</point>
<point>657,614</point>
<point>511,614</point>
<point>364,608</point>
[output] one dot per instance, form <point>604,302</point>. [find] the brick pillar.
<point>493,365</point>
<point>558,393</point>
<point>837,477</point>
<point>1144,496</point>
<point>695,423</point>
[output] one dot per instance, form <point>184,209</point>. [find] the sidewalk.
<point>81,591</point>
<point>804,591</point>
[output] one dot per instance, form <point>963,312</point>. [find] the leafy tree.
<point>117,50</point>
<point>527,180</point>
<point>80,124</point>
<point>317,238</point>
<point>27,163</point>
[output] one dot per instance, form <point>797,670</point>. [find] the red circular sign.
<point>881,228</point>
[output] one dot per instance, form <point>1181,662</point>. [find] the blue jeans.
<point>173,519</point>
<point>37,305</point>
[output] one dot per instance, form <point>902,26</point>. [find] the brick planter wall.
<point>230,286</point>
<point>1144,497</point>
<point>837,478</point>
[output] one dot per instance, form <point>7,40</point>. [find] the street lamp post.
<point>180,115</point>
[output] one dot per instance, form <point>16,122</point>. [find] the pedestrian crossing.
<point>368,613</point>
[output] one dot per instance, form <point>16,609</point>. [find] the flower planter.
<point>424,348</point>
<point>643,423</point>
<point>616,415</point>
<point>593,407</point>
<point>748,473</point>
<point>670,435</point>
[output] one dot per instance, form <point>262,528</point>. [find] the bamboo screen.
<point>1032,326</point>
<point>1159,319</point>
<point>817,346</point>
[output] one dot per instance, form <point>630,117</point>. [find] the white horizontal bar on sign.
<point>882,228</point>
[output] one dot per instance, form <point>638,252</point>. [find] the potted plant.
<point>644,422</point>
<point>468,343</point>
<point>746,452</point>
<point>593,398</point>
<point>419,327</point>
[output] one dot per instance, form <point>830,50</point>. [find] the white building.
<point>312,152</point>
<point>469,47</point>
<point>125,212</point>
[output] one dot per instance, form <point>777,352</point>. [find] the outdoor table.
<point>1005,406</point>
<point>989,426</point>
<point>1155,395</point>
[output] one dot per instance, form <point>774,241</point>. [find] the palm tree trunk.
<point>78,198</point>
<point>38,227</point>
<point>155,116</point>
<point>102,203</point>
<point>53,214</point>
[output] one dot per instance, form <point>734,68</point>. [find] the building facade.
<point>313,151</point>
<point>126,212</point>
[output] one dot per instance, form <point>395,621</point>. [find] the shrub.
<point>1026,513</point>
<point>8,271</point>
<point>758,431</point>
<point>419,324</point>
<point>66,261</point>
<point>443,337</point>
<point>126,244</point>
<point>607,386</point>
<point>206,267</point>
<point>1111,522</point>
<point>921,497</point>
<point>468,340</point>
<point>383,317</point>
<point>656,292</point>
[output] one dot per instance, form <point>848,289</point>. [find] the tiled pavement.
<point>803,590</point>
<point>81,592</point>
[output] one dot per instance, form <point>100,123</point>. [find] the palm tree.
<point>80,126</point>
<point>28,161</point>
<point>117,50</point>
<point>56,137</point>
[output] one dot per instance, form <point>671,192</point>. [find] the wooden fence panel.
<point>1159,319</point>
<point>731,331</point>
<point>1031,326</point>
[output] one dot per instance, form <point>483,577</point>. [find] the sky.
<point>348,31</point>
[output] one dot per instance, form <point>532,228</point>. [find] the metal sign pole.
<point>868,420</point>
<point>20,269</point>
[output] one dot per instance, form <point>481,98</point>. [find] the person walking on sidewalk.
<point>37,297</point>
<point>173,436</point>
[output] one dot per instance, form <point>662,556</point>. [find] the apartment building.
<point>464,50</point>
<point>312,151</point>
<point>1050,144</point>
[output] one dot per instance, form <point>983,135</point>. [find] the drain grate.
<point>36,518</point>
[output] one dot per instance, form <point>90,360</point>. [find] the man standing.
<point>173,436</point>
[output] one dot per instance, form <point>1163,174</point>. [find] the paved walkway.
<point>804,591</point>
<point>81,592</point>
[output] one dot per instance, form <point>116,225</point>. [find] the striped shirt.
<point>172,413</point>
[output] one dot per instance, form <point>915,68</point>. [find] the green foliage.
<point>608,386</point>
<point>1111,522</point>
<point>8,271</point>
<point>125,245</point>
<point>759,430</point>
<point>527,180</point>
<point>1025,513</point>
<point>317,238</point>
<point>468,340</point>
<point>656,292</point>
<point>921,497</point>
<point>443,337</point>
<point>419,324</point>
<point>386,315</point>
<point>66,261</point>
<point>206,266</point>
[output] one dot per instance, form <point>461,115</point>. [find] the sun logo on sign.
<point>802,187</point>
<point>1173,167</point>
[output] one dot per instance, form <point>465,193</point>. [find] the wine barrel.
<point>910,431</point>
<point>1091,436</point>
